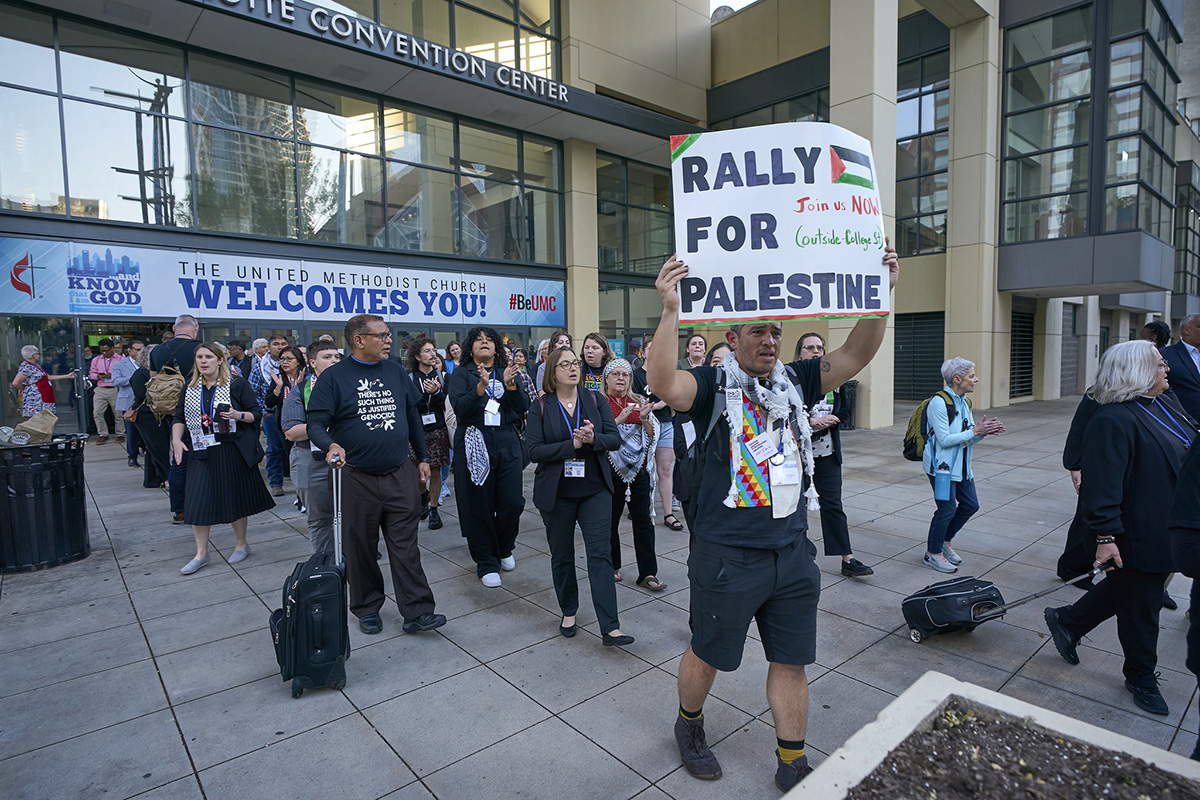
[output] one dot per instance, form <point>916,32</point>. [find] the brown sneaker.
<point>120,439</point>
<point>277,491</point>
<point>103,439</point>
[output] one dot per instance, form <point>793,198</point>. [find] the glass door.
<point>57,342</point>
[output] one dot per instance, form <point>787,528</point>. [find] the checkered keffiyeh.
<point>478,461</point>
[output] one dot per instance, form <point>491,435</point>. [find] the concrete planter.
<point>924,700</point>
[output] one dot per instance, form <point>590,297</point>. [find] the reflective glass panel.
<point>761,116</point>
<point>537,14</point>
<point>933,192</point>
<point>932,233</point>
<point>1123,159</point>
<point>136,171</point>
<point>1120,207</point>
<point>935,71</point>
<point>244,183</point>
<point>501,8</point>
<point>541,163</point>
<point>610,180</point>
<point>907,195</point>
<point>650,240</point>
<point>341,197</point>
<point>1047,37</point>
<point>99,65</point>
<point>420,213</point>
<point>544,214</point>
<point>31,172</point>
<point>649,187</point>
<point>537,54</point>
<point>491,219</point>
<point>1050,81</point>
<point>1126,62</point>
<point>1124,110</point>
<point>487,153</point>
<point>610,235</point>
<point>363,9</point>
<point>1046,173</point>
<point>1046,218</point>
<point>27,49</point>
<point>806,108</point>
<point>908,79</point>
<point>1126,17</point>
<point>336,119</point>
<point>908,241</point>
<point>425,19</point>
<point>908,154</point>
<point>484,36</point>
<point>935,111</point>
<point>935,151</point>
<point>418,137</point>
<point>240,96</point>
<point>908,118</point>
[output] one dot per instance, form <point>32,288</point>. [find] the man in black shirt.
<point>363,414</point>
<point>750,555</point>
<point>179,352</point>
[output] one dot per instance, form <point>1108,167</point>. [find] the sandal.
<point>652,583</point>
<point>672,522</point>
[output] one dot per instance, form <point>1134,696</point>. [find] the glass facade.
<point>922,153</point>
<point>633,216</point>
<point>809,107</point>
<point>1048,90</point>
<point>1187,240</point>
<point>149,133</point>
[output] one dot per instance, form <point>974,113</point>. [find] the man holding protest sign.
<point>750,555</point>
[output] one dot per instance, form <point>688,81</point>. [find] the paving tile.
<point>456,597</point>
<point>414,791</point>
<point>53,713</point>
<point>503,770</point>
<point>1191,719</point>
<point>871,545</point>
<point>661,631</point>
<point>838,706</point>
<point>839,639</point>
<point>121,761</point>
<point>207,624</point>
<point>634,721</point>
<point>18,598</point>
<point>188,674</point>
<point>895,663</point>
<point>747,759</point>
<point>187,593</point>
<point>1184,744</point>
<point>484,709</point>
<point>183,789</point>
<point>502,629</point>
<point>345,758</point>
<point>995,643</point>
<point>19,631</point>
<point>552,671</point>
<point>218,727</point>
<point>864,603</point>
<point>75,657</point>
<point>391,667</point>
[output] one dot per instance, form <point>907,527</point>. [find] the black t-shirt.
<point>371,411</point>
<point>741,527</point>
<point>180,352</point>
<point>663,414</point>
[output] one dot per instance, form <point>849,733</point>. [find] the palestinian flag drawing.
<point>850,166</point>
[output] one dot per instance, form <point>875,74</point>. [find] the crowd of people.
<point>728,437</point>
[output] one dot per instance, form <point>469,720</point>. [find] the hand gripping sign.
<point>778,222</point>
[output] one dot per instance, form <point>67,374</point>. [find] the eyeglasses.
<point>383,336</point>
<point>618,374</point>
<point>814,347</point>
<point>287,358</point>
<point>570,364</point>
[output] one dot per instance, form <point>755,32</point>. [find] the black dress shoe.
<point>856,569</point>
<point>371,624</point>
<point>1064,643</point>
<point>617,641</point>
<point>1169,602</point>
<point>177,518</point>
<point>567,630</point>
<point>425,622</point>
<point>435,519</point>
<point>1148,698</point>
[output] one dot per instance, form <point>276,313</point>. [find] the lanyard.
<point>212,404</point>
<point>308,385</point>
<point>488,389</point>
<point>567,419</point>
<point>1179,432</point>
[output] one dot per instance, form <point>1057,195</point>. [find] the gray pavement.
<point>119,677</point>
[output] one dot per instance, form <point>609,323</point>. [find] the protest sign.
<point>778,222</point>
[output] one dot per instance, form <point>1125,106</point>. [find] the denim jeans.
<point>274,450</point>
<point>133,439</point>
<point>952,514</point>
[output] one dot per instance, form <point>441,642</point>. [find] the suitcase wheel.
<point>297,689</point>
<point>915,635</point>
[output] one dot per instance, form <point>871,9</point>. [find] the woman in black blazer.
<point>1132,452</point>
<point>568,435</point>
<point>1184,525</point>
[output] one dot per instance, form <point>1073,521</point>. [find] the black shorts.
<point>777,588</point>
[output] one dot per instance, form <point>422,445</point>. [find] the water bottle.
<point>941,483</point>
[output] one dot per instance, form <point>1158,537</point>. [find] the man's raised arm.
<point>676,387</point>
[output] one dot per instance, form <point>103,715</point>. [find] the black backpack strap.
<point>718,409</point>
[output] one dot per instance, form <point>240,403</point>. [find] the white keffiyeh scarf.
<point>780,401</point>
<point>479,463</point>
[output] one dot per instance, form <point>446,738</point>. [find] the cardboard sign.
<point>778,222</point>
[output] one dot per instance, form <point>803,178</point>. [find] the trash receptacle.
<point>43,508</point>
<point>849,393</point>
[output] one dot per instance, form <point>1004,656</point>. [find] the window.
<point>922,153</point>
<point>1048,89</point>
<point>809,107</point>
<point>31,176</point>
<point>1139,168</point>
<point>1187,240</point>
<point>633,207</point>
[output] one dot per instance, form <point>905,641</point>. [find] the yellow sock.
<point>787,755</point>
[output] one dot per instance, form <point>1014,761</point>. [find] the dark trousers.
<point>132,440</point>
<point>1135,599</point>
<point>827,477</point>
<point>390,503</point>
<point>1185,549</point>
<point>274,448</point>
<point>951,514</point>
<point>592,515</point>
<point>1079,551</point>
<point>490,515</point>
<point>643,526</point>
<point>177,477</point>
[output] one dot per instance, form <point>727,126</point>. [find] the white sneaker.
<point>445,492</point>
<point>508,564</point>
<point>939,563</point>
<point>491,580</point>
<point>951,556</point>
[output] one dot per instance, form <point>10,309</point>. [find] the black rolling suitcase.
<point>311,631</point>
<point>963,604</point>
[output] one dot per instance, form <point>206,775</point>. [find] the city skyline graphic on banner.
<point>92,265</point>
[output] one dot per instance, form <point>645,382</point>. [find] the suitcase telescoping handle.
<point>999,610</point>
<point>336,474</point>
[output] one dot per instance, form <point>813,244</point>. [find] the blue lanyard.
<point>488,389</point>
<point>567,419</point>
<point>1180,434</point>
<point>212,404</point>
<point>365,363</point>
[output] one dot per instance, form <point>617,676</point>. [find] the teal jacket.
<point>950,446</point>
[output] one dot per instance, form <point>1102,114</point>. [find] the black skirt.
<point>221,489</point>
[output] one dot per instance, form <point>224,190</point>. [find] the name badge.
<point>491,413</point>
<point>492,406</point>
<point>761,448</point>
<point>428,419</point>
<point>205,441</point>
<point>574,468</point>
<point>786,474</point>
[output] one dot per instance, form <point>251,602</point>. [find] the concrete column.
<point>978,318</point>
<point>582,259</point>
<point>1122,320</point>
<point>1087,321</point>
<point>1047,345</point>
<point>862,98</point>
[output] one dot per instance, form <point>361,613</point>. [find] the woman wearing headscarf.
<point>1133,450</point>
<point>570,431</point>
<point>488,454</point>
<point>217,420</point>
<point>632,464</point>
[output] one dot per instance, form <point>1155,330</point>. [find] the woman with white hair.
<point>34,382</point>
<point>952,434</point>
<point>1133,451</point>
